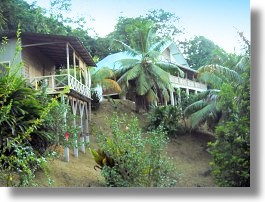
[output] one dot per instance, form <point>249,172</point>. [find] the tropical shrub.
<point>127,158</point>
<point>95,101</point>
<point>231,150</point>
<point>22,114</point>
<point>167,117</point>
<point>55,126</point>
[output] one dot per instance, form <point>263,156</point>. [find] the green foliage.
<point>229,104</point>
<point>167,117</point>
<point>55,125</point>
<point>164,26</point>
<point>105,78</point>
<point>22,114</point>
<point>231,154</point>
<point>231,150</point>
<point>201,51</point>
<point>18,168</point>
<point>128,158</point>
<point>145,75</point>
<point>219,77</point>
<point>95,101</point>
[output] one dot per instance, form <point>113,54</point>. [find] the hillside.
<point>188,153</point>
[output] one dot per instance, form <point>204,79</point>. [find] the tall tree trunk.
<point>141,103</point>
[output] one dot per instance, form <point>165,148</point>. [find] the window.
<point>3,67</point>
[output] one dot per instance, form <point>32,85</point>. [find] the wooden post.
<point>66,149</point>
<point>68,62</point>
<point>74,108</point>
<point>179,96</point>
<point>66,154</point>
<point>187,92</point>
<point>81,110</point>
<point>74,64</point>
<point>87,125</point>
<point>172,98</point>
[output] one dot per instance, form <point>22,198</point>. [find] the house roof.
<point>110,61</point>
<point>54,46</point>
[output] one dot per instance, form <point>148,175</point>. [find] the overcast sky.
<point>214,19</point>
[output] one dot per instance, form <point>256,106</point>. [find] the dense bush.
<point>231,150</point>
<point>167,117</point>
<point>55,126</point>
<point>127,158</point>
<point>21,115</point>
<point>95,101</point>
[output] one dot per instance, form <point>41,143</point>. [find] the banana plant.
<point>102,159</point>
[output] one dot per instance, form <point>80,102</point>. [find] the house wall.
<point>165,56</point>
<point>8,53</point>
<point>36,64</point>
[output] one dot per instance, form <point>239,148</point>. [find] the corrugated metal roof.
<point>111,60</point>
<point>54,46</point>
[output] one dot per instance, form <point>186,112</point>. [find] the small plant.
<point>167,117</point>
<point>127,158</point>
<point>95,101</point>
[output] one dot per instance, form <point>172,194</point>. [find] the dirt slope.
<point>188,153</point>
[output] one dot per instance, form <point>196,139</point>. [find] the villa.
<point>56,62</point>
<point>170,53</point>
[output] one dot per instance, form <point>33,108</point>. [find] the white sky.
<point>214,19</point>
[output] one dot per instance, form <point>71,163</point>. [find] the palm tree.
<point>206,107</point>
<point>105,78</point>
<point>144,74</point>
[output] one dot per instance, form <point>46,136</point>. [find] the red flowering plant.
<point>70,136</point>
<point>66,136</point>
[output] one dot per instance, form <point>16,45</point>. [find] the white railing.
<point>56,83</point>
<point>186,83</point>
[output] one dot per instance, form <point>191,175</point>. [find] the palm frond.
<point>204,94</point>
<point>128,62</point>
<point>142,84</point>
<point>151,96</point>
<point>221,71</point>
<point>171,68</point>
<point>134,72</point>
<point>123,81</point>
<point>194,107</point>
<point>158,47</point>
<point>126,65</point>
<point>111,84</point>
<point>130,50</point>
<point>103,73</point>
<point>151,34</point>
<point>160,74</point>
<point>202,114</point>
<point>242,64</point>
<point>210,78</point>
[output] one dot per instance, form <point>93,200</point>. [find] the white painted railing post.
<point>172,98</point>
<point>82,147</point>
<point>53,80</point>
<point>68,62</point>
<point>66,149</point>
<point>66,154</point>
<point>76,149</point>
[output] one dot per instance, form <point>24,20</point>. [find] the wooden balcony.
<point>56,83</point>
<point>178,82</point>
